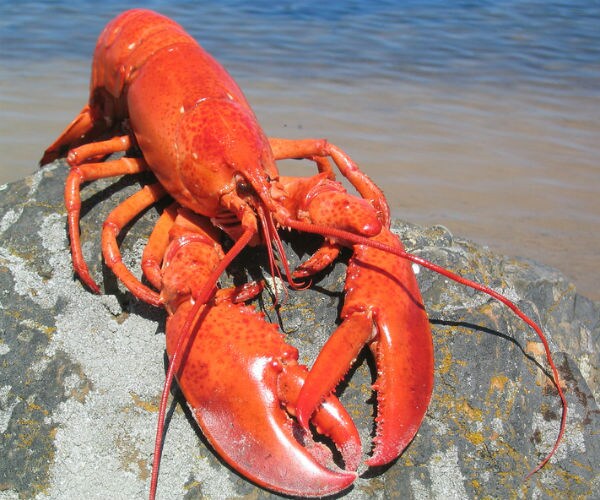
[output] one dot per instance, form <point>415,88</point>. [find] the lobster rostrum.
<point>154,88</point>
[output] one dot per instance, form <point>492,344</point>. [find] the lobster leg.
<point>77,176</point>
<point>119,218</point>
<point>97,150</point>
<point>323,257</point>
<point>285,149</point>
<point>91,171</point>
<point>311,148</point>
<point>156,247</point>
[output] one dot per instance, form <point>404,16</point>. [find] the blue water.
<point>504,43</point>
<point>482,116</point>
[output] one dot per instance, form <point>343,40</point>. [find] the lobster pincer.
<point>382,308</point>
<point>241,380</point>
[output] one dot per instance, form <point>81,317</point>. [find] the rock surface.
<point>82,373</point>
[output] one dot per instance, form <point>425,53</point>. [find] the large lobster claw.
<point>382,309</point>
<point>238,378</point>
<point>242,381</point>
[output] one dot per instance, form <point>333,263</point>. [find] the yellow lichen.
<point>473,413</point>
<point>475,438</point>
<point>149,406</point>
<point>446,364</point>
<point>131,458</point>
<point>498,382</point>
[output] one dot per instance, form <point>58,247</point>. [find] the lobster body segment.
<point>154,89</point>
<point>208,132</point>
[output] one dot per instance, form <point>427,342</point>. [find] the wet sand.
<point>514,168</point>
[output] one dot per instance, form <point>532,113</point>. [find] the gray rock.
<point>82,373</point>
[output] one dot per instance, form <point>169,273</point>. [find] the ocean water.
<point>480,116</point>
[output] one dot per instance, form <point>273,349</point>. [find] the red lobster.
<point>155,88</point>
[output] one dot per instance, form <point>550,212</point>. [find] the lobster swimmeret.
<point>153,87</point>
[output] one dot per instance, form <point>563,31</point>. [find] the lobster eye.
<point>243,187</point>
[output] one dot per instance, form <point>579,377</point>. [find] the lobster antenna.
<point>200,300</point>
<point>271,235</point>
<point>267,236</point>
<point>362,240</point>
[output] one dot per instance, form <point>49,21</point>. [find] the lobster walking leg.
<point>95,150</point>
<point>91,171</point>
<point>113,225</point>
<point>156,247</point>
<point>77,176</point>
<point>311,148</point>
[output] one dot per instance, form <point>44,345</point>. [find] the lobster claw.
<point>383,309</point>
<point>238,378</point>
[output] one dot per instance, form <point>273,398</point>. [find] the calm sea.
<point>481,116</point>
